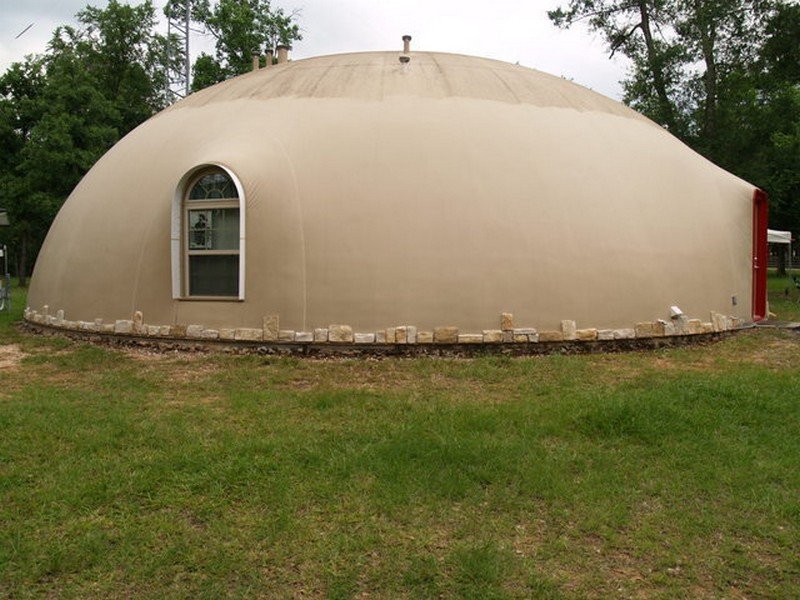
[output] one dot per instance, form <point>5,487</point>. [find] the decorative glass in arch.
<point>213,186</point>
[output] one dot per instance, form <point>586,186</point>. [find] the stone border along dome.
<point>360,200</point>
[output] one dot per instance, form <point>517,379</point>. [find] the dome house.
<point>413,197</point>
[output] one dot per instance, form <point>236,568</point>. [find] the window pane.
<point>213,186</point>
<point>214,275</point>
<point>214,229</point>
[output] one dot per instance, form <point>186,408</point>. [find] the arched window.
<point>211,236</point>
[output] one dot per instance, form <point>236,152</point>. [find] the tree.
<point>723,75</point>
<point>64,109</point>
<point>629,27</point>
<point>239,27</point>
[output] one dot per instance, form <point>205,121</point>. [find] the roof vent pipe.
<point>268,53</point>
<point>256,60</point>
<point>406,44</point>
<point>283,53</point>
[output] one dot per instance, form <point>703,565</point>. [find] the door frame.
<point>760,254</point>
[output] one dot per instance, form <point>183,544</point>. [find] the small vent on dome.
<point>283,53</point>
<point>404,59</point>
<point>406,44</point>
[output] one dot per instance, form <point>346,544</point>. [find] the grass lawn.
<point>662,474</point>
<point>783,296</point>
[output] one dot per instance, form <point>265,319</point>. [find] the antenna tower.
<point>178,21</point>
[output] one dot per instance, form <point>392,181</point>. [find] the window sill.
<point>209,299</point>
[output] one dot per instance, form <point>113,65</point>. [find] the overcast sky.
<point>509,30</point>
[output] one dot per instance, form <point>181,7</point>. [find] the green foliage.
<point>239,29</point>
<point>63,109</point>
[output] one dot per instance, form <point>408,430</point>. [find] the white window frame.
<point>179,242</point>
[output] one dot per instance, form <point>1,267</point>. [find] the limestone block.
<point>153,330</point>
<point>646,329</point>
<point>86,325</point>
<point>734,322</point>
<point>585,335</point>
<point>342,334</point>
<point>71,325</point>
<point>668,328</point>
<point>445,335</point>
<point>470,338</point>
<point>551,336</point>
<point>380,336</point>
<point>164,330</point>
<point>533,338</point>
<point>284,335</point>
<point>304,337</point>
<point>519,338</point>
<point>411,334</point>
<point>391,335</point>
<point>400,335</point>
<point>37,318</point>
<point>695,326</point>
<point>707,328</point>
<point>425,337</point>
<point>227,334</point>
<point>138,322</point>
<point>508,337</point>
<point>506,321</point>
<point>123,326</point>
<point>194,331</point>
<point>492,336</point>
<point>320,334</point>
<point>177,331</point>
<point>271,327</point>
<point>248,334</point>
<point>51,320</point>
<point>45,311</point>
<point>364,338</point>
<point>27,312</point>
<point>524,331</point>
<point>60,315</point>
<point>624,334</point>
<point>681,325</point>
<point>719,322</point>
<point>568,329</point>
<point>210,334</point>
<point>107,327</point>
<point>605,334</point>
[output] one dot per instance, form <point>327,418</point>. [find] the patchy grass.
<point>656,474</point>
<point>784,297</point>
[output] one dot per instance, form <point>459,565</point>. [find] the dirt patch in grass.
<point>10,357</point>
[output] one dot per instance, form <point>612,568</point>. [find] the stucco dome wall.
<point>437,205</point>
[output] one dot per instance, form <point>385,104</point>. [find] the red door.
<point>759,255</point>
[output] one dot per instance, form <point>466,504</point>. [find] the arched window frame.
<point>179,257</point>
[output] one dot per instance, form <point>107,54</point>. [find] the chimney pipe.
<point>268,53</point>
<point>256,60</point>
<point>283,53</point>
<point>406,44</point>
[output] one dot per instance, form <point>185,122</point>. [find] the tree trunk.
<point>22,264</point>
<point>656,71</point>
<point>708,34</point>
<point>782,261</point>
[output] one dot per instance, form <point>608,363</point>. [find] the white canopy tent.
<point>779,237</point>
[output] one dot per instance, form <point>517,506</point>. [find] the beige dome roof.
<point>442,192</point>
<point>379,76</point>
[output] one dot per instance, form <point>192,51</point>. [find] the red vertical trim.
<point>760,213</point>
